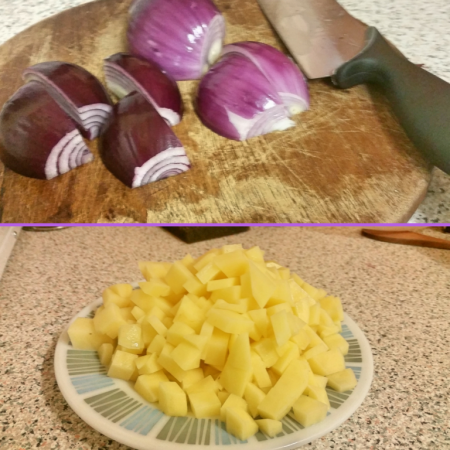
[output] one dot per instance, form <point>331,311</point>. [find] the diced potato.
<point>157,344</point>
<point>137,313</point>
<point>186,356</point>
<point>204,404</point>
<point>317,380</point>
<point>338,342</point>
<point>231,248</point>
<point>172,399</point>
<point>157,324</point>
<point>308,411</point>
<point>148,385</point>
<point>284,272</point>
<point>283,362</point>
<point>215,285</point>
<point>327,363</point>
<point>266,349</point>
<point>261,320</point>
<point>253,395</point>
<point>148,364</point>
<point>314,351</point>
<point>83,335</point>
<point>240,424</point>
<point>205,259</point>
<point>118,294</point>
<point>232,401</point>
<point>207,384</point>
<point>223,395</point>
<point>109,320</point>
<point>301,310</point>
<point>189,262</point>
<point>229,321</point>
<point>270,427</point>
<point>230,294</point>
<point>192,377</point>
<point>151,269</point>
<point>177,331</point>
<point>342,381</point>
<point>216,349</point>
<point>130,337</point>
<point>319,393</point>
<point>333,306</point>
<point>196,340</point>
<point>208,273</point>
<point>105,352</point>
<point>238,369</point>
<point>232,264</point>
<point>155,287</point>
<point>122,365</point>
<point>260,374</point>
<point>289,387</point>
<point>314,314</point>
<point>177,276</point>
<point>167,362</point>
<point>301,339</point>
<point>283,291</point>
<point>195,286</point>
<point>280,325</point>
<point>262,287</point>
<point>239,307</point>
<point>255,254</point>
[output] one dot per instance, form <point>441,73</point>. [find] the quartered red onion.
<point>125,73</point>
<point>78,92</point>
<point>183,37</point>
<point>237,101</point>
<point>38,139</point>
<point>280,70</point>
<point>138,147</point>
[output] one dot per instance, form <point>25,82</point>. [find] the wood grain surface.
<point>347,160</point>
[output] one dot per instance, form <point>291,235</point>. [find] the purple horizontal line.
<point>427,225</point>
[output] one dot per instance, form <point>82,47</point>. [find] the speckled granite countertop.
<point>419,29</point>
<point>398,295</point>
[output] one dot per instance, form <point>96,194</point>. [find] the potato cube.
<point>266,349</point>
<point>167,362</point>
<point>240,424</point>
<point>342,381</point>
<point>253,395</point>
<point>270,427</point>
<point>216,349</point>
<point>314,314</point>
<point>195,286</point>
<point>148,364</point>
<point>83,335</point>
<point>301,339</point>
<point>137,313</point>
<point>282,291</point>
<point>255,254</point>
<point>333,306</point>
<point>172,399</point>
<point>319,393</point>
<point>122,365</point>
<point>261,319</point>
<point>130,337</point>
<point>155,287</point>
<point>191,377</point>
<point>288,388</point>
<point>283,361</point>
<point>301,310</point>
<point>260,375</point>
<point>299,294</point>
<point>240,307</point>
<point>327,363</point>
<point>314,338</point>
<point>148,385</point>
<point>232,401</point>
<point>215,285</point>
<point>262,285</point>
<point>105,352</point>
<point>205,259</point>
<point>208,273</point>
<point>223,395</point>
<point>186,356</point>
<point>177,331</point>
<point>315,293</point>
<point>141,299</point>
<point>281,329</point>
<point>177,276</point>
<point>338,342</point>
<point>204,404</point>
<point>284,272</point>
<point>308,411</point>
<point>151,269</point>
<point>157,344</point>
<point>317,380</point>
<point>229,321</point>
<point>196,340</point>
<point>118,294</point>
<point>230,294</point>
<point>207,384</point>
<point>320,348</point>
<point>238,369</point>
<point>157,324</point>
<point>109,320</point>
<point>189,262</point>
<point>232,264</point>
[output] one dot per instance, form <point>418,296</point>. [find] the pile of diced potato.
<point>227,334</point>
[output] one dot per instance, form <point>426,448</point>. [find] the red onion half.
<point>183,37</point>
<point>138,147</point>
<point>77,91</point>
<point>125,73</point>
<point>279,69</point>
<point>38,139</point>
<point>237,101</point>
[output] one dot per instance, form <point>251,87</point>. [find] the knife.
<point>327,41</point>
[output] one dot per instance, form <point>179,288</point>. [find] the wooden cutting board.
<point>347,160</point>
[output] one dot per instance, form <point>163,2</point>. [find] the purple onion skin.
<point>79,85</point>
<point>236,84</point>
<point>161,87</point>
<point>171,33</point>
<point>135,133</point>
<point>31,124</point>
<point>281,71</point>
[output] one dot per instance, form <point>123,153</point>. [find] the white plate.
<point>114,409</point>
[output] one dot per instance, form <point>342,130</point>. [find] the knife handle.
<point>420,100</point>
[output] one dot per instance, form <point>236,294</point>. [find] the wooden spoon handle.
<point>407,238</point>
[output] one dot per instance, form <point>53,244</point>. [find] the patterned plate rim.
<point>212,434</point>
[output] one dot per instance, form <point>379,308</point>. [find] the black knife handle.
<point>420,100</point>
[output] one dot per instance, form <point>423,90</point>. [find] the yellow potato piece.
<point>270,427</point>
<point>342,381</point>
<point>83,336</point>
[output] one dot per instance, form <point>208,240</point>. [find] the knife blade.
<point>326,41</point>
